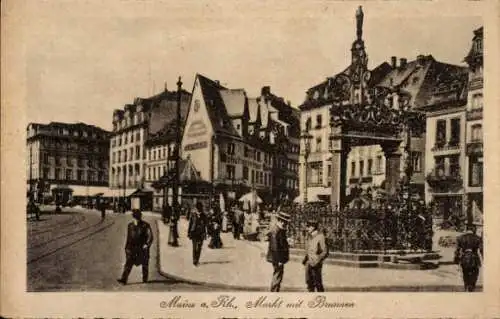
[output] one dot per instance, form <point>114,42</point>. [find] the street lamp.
<point>306,137</point>
<point>173,234</point>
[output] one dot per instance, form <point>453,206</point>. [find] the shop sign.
<point>237,160</point>
<point>197,128</point>
<point>195,146</point>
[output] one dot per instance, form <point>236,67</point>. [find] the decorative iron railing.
<point>389,227</point>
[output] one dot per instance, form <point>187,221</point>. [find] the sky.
<point>84,58</point>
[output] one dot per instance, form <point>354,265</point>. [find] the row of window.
<point>127,155</point>
<point>69,132</point>
<point>75,175</point>
<point>441,132</point>
<point>154,173</point>
<point>257,177</point>
<point>315,169</point>
<point>447,165</point>
<point>74,147</point>
<point>134,119</point>
<point>162,153</point>
<point>132,169</point>
<point>454,138</point>
<point>416,158</point>
<point>73,161</point>
<point>256,155</point>
<point>125,138</point>
<point>309,125</point>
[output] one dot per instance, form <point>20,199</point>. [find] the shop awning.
<point>142,192</point>
<point>99,191</point>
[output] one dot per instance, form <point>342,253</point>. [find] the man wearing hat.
<point>316,252</point>
<point>468,254</point>
<point>197,231</point>
<point>139,239</point>
<point>278,252</point>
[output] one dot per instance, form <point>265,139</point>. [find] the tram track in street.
<point>74,220</point>
<point>66,234</point>
<point>61,244</point>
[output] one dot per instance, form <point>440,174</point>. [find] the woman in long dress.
<point>224,221</point>
<point>215,223</point>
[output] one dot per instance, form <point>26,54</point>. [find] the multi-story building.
<point>127,153</point>
<point>67,161</point>
<point>130,158</point>
<point>474,120</point>
<point>161,140</point>
<point>240,143</point>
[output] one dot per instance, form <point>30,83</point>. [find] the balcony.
<point>476,83</point>
<point>452,145</point>
<point>441,182</point>
<point>474,147</point>
<point>475,114</point>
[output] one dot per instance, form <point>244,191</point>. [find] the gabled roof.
<point>410,78</point>
<point>253,108</point>
<point>163,116</point>
<point>444,83</point>
<point>219,117</point>
<point>420,78</point>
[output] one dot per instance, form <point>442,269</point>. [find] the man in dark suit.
<point>139,239</point>
<point>278,252</point>
<point>197,231</point>
<point>238,220</point>
<point>468,254</point>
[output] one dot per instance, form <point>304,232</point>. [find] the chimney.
<point>265,90</point>
<point>420,59</point>
<point>393,62</point>
<point>402,63</point>
<point>166,87</point>
<point>217,82</point>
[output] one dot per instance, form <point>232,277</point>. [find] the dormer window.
<point>316,95</point>
<point>319,121</point>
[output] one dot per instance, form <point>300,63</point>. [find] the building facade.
<point>161,140</point>
<point>241,144</point>
<point>132,157</point>
<point>66,161</point>
<point>474,125</point>
<point>127,152</point>
<point>454,151</point>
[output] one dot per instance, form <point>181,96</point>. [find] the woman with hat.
<point>278,252</point>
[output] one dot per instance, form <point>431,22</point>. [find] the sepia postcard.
<point>250,159</point>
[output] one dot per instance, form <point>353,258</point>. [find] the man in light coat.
<point>316,253</point>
